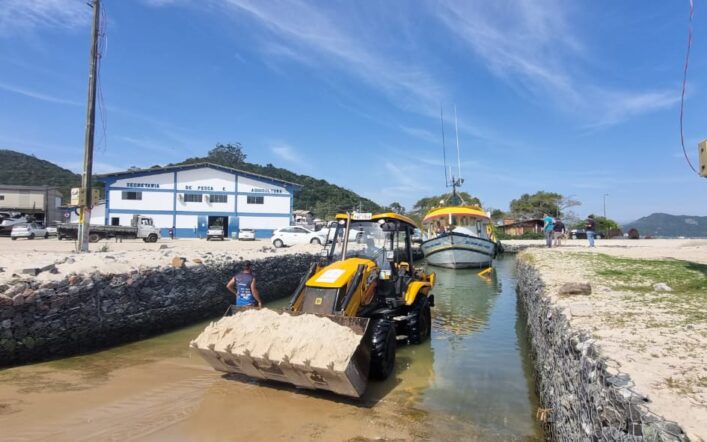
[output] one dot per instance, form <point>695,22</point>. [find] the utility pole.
<point>605,220</point>
<point>86,190</point>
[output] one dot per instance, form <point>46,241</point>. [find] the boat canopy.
<point>378,216</point>
<point>456,211</point>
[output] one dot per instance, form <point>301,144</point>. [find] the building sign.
<point>261,190</point>
<point>143,185</point>
<point>207,188</point>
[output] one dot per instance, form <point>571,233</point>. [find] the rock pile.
<point>83,312</point>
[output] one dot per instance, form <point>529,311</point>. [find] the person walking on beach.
<point>590,228</point>
<point>243,286</point>
<point>558,231</point>
<point>548,226</point>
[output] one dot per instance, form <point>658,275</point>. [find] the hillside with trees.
<point>665,225</point>
<point>28,170</point>
<point>317,195</point>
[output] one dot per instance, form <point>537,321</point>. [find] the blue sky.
<point>580,98</point>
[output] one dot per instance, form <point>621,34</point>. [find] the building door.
<point>233,225</point>
<point>219,221</point>
<point>201,226</point>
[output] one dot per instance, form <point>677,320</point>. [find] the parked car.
<point>328,231</point>
<point>214,232</point>
<point>287,236</point>
<point>246,234</point>
<point>29,231</point>
<point>417,236</point>
<point>582,234</point>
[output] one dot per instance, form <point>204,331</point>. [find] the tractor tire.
<point>382,349</point>
<point>419,327</point>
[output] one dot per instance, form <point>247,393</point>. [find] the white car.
<point>246,234</point>
<point>214,232</point>
<point>287,236</point>
<point>52,230</point>
<point>29,231</point>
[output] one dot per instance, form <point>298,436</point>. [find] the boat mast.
<point>444,148</point>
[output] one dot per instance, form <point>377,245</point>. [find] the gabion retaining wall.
<point>80,313</point>
<point>584,396</point>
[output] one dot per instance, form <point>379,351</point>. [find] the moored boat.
<point>459,237</point>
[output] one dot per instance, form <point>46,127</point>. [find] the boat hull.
<point>459,251</point>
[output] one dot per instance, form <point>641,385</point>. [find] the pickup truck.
<point>140,227</point>
<point>214,232</point>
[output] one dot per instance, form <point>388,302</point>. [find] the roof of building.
<point>455,211</point>
<point>20,187</point>
<point>156,170</point>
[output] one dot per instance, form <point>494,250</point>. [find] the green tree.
<point>603,225</point>
<point>397,208</point>
<point>426,204</point>
<point>497,214</point>
<point>229,155</point>
<point>535,205</point>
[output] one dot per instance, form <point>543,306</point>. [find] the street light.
<point>605,220</point>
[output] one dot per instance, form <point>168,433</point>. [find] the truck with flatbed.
<point>140,227</point>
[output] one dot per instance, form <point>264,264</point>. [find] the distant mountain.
<point>28,170</point>
<point>663,224</point>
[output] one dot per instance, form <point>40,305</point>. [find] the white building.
<point>190,198</point>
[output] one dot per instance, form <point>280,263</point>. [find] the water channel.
<point>471,381</point>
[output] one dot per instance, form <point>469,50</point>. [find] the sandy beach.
<point>658,337</point>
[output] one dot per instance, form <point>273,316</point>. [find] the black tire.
<point>315,241</point>
<point>94,237</point>
<point>31,236</point>
<point>152,237</point>
<point>382,349</point>
<point>419,327</point>
<point>14,238</point>
<point>278,243</point>
<point>46,235</point>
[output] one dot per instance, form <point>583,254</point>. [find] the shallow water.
<point>472,381</point>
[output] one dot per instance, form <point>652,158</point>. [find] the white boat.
<point>459,237</point>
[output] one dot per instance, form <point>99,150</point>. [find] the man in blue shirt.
<point>549,225</point>
<point>243,286</point>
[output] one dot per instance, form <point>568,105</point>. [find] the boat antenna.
<point>459,162</point>
<point>444,148</point>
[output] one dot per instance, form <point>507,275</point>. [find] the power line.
<point>684,85</point>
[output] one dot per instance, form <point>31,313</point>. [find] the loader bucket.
<point>226,351</point>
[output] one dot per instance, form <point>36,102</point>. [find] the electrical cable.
<point>684,85</point>
<point>102,50</point>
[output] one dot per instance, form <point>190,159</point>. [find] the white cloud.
<point>287,153</point>
<point>309,33</point>
<point>23,15</point>
<point>38,95</point>
<point>532,45</point>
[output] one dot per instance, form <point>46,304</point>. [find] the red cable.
<point>684,84</point>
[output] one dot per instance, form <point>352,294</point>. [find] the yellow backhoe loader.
<point>366,282</point>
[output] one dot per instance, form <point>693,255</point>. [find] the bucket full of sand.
<point>309,351</point>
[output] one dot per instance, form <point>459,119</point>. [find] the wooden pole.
<point>85,209</point>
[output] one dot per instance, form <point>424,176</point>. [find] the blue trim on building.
<point>174,206</point>
<point>164,170</point>
<point>197,213</point>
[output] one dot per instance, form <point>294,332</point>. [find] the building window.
<point>2,197</point>
<point>256,200</point>
<point>218,198</point>
<point>115,221</point>
<point>193,198</point>
<point>132,195</point>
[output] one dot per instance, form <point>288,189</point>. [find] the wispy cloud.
<point>148,144</point>
<point>309,33</point>
<point>26,15</point>
<point>422,134</point>
<point>98,167</point>
<point>287,153</point>
<point>532,45</point>
<point>37,95</point>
